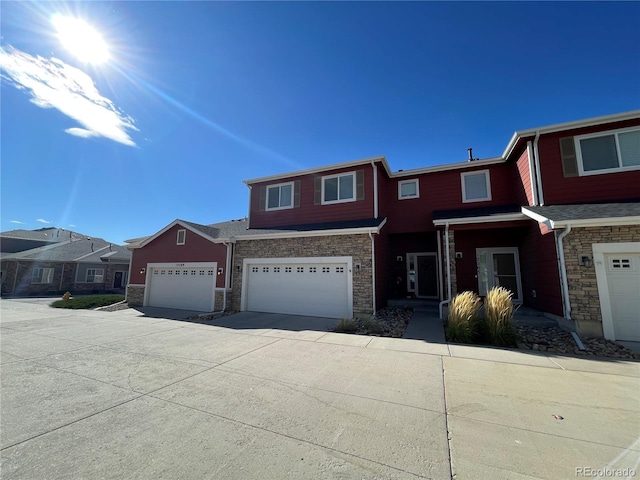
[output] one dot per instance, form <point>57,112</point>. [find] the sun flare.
<point>81,39</point>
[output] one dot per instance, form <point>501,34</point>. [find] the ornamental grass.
<point>462,320</point>
<point>498,317</point>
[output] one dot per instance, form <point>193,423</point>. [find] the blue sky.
<point>197,96</point>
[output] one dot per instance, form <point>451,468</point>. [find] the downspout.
<point>537,165</point>
<point>62,276</point>
<point>126,287</point>
<point>446,247</point>
<point>373,270</point>
<point>566,303</point>
<point>532,176</point>
<point>249,209</point>
<point>375,189</point>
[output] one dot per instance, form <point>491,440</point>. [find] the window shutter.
<point>360,185</point>
<point>569,159</point>
<point>317,190</point>
<point>263,198</point>
<point>296,193</point>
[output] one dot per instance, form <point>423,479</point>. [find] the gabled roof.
<point>237,230</point>
<point>500,213</point>
<point>47,234</point>
<point>586,215</point>
<point>560,127</point>
<point>83,250</point>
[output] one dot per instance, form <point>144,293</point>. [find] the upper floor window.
<point>408,189</point>
<point>476,186</point>
<point>608,152</point>
<point>95,275</point>
<point>182,237</point>
<point>280,196</point>
<point>42,275</point>
<point>339,188</point>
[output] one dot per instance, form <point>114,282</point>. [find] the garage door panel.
<point>189,288</point>
<point>623,281</point>
<point>314,289</point>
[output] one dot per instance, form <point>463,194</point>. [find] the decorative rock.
<point>556,340</point>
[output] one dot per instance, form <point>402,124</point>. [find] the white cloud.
<point>42,220</point>
<point>18,222</point>
<point>54,84</point>
<point>71,225</point>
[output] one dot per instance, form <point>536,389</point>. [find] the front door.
<point>118,280</point>
<point>422,274</point>
<point>499,267</point>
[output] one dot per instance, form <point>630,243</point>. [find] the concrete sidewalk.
<point>127,395</point>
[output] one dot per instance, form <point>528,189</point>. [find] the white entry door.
<point>499,267</point>
<point>319,287</point>
<point>189,286</point>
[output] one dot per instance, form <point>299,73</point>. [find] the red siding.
<point>591,188</point>
<point>523,179</point>
<point>308,212</point>
<point>164,249</point>
<point>538,262</point>
<point>443,191</point>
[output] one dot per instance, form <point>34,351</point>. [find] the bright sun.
<point>81,39</point>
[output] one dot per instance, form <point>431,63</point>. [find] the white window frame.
<point>416,181</point>
<point>339,200</point>
<point>43,272</point>
<point>608,133</point>
<point>487,178</point>
<point>182,231</point>
<point>279,187</point>
<point>95,275</point>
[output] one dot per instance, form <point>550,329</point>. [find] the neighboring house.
<point>53,261</point>
<point>555,219</point>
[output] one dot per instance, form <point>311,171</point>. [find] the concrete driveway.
<point>133,395</point>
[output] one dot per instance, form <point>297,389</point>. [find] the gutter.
<point>375,189</point>
<point>566,303</point>
<point>536,156</point>
<point>249,209</point>
<point>373,270</point>
<point>448,299</point>
<point>532,175</point>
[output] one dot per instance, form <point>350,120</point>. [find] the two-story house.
<point>555,219</point>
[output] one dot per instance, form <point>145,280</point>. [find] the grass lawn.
<point>88,301</point>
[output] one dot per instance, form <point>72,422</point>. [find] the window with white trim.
<point>95,275</point>
<point>42,275</point>
<point>408,189</point>
<point>280,196</point>
<point>182,237</point>
<point>476,186</point>
<point>608,152</point>
<point>339,188</point>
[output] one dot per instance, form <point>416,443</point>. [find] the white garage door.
<point>189,287</point>
<point>623,280</point>
<point>313,288</point>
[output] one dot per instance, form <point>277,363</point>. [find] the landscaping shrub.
<point>372,325</point>
<point>346,325</point>
<point>498,317</point>
<point>88,301</point>
<point>461,322</point>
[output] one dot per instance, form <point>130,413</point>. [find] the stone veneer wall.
<point>356,246</point>
<point>583,286</point>
<point>452,256</point>
<point>135,295</point>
